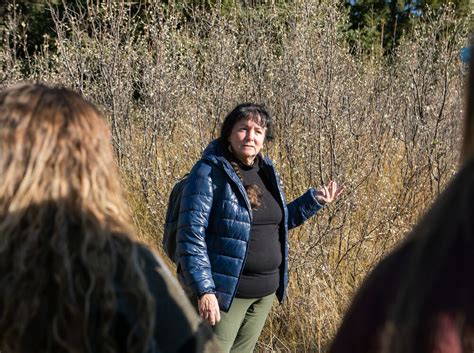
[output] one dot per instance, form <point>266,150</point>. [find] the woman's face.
<point>246,140</point>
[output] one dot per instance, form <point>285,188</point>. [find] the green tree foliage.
<point>26,25</point>
<point>461,7</point>
<point>376,26</point>
<point>34,19</point>
<point>33,24</point>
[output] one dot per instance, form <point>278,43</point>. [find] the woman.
<point>233,226</point>
<point>72,277</point>
<point>419,299</point>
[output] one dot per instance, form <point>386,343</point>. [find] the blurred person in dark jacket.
<point>419,298</point>
<point>73,278</point>
<point>233,229</point>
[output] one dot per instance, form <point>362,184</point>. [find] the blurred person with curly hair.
<point>72,276</point>
<point>419,298</point>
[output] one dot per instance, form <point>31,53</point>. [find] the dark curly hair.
<point>258,114</point>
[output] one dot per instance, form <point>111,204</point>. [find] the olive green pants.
<point>239,329</point>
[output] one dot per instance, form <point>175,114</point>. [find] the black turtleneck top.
<point>260,276</point>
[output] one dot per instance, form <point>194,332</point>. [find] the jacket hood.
<point>213,152</point>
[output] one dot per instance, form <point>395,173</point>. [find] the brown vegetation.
<point>388,128</point>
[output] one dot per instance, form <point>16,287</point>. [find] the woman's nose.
<point>250,135</point>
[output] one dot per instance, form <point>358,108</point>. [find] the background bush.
<point>386,126</point>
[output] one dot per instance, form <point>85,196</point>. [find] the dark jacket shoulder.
<point>177,326</point>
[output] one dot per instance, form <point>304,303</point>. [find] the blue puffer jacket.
<point>214,226</point>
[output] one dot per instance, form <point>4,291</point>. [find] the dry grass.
<point>390,131</point>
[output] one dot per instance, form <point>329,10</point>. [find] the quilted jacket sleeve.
<point>302,208</point>
<point>195,208</point>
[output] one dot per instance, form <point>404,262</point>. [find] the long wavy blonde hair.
<point>65,236</point>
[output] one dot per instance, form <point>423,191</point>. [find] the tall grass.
<point>387,128</point>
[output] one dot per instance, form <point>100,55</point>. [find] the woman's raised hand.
<point>209,309</point>
<point>328,193</point>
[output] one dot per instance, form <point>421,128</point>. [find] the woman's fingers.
<point>336,191</point>
<point>211,319</point>
<point>332,186</point>
<point>332,189</point>
<point>209,309</point>
<point>330,192</point>
<point>214,317</point>
<point>340,191</point>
